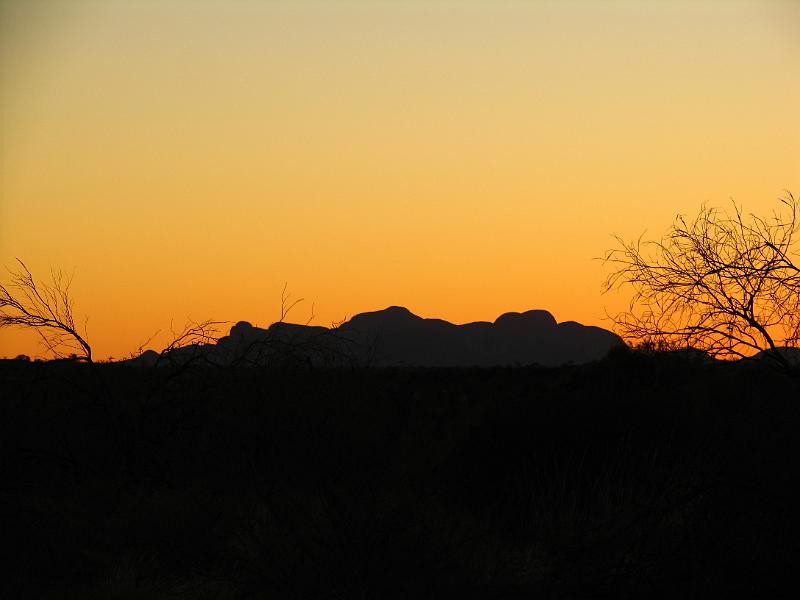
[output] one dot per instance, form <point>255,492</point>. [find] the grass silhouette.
<point>647,473</point>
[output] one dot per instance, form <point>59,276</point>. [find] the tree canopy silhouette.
<point>725,283</point>
<point>45,308</point>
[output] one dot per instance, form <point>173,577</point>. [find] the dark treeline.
<point>642,475</point>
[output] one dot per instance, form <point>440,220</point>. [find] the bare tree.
<point>725,283</point>
<point>45,308</point>
<point>191,342</point>
<point>273,347</point>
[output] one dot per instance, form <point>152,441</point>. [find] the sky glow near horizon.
<point>462,159</point>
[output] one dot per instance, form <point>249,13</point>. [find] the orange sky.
<point>459,158</point>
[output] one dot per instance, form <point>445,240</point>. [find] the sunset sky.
<point>459,158</point>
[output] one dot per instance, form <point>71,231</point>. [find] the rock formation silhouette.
<point>397,337</point>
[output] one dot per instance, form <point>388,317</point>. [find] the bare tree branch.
<point>45,308</point>
<point>726,283</point>
<point>188,345</point>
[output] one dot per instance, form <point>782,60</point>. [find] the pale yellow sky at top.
<point>460,158</point>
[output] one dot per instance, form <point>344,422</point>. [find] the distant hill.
<point>397,337</point>
<point>792,355</point>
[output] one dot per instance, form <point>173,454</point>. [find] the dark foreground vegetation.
<point>643,475</point>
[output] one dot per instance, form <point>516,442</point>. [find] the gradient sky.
<point>459,158</point>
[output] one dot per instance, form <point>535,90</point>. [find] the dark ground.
<point>643,475</point>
